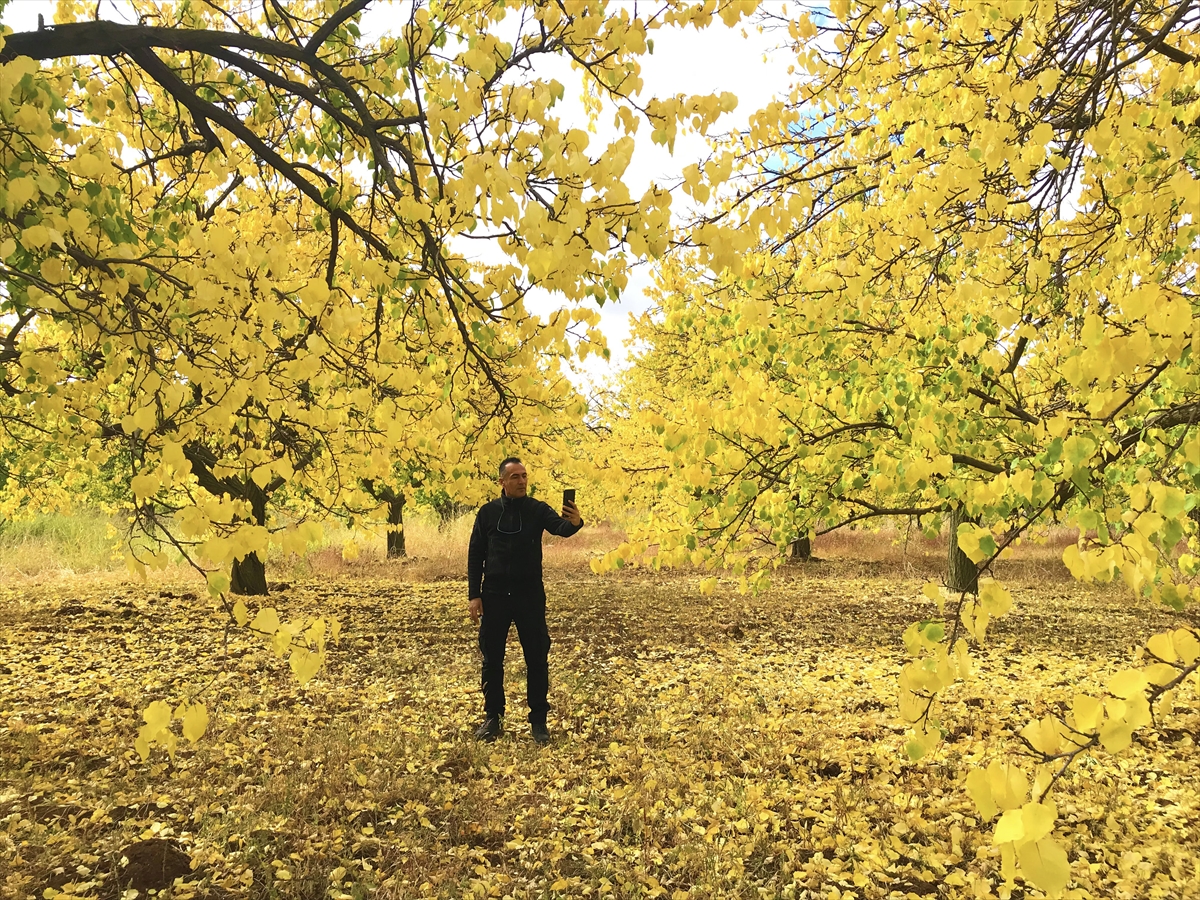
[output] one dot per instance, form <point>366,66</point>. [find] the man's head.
<point>513,478</point>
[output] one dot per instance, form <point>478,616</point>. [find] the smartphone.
<point>568,496</point>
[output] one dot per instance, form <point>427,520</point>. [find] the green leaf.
<point>218,584</point>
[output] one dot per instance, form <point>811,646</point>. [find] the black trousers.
<point>527,608</point>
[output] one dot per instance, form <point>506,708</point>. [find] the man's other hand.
<point>570,512</point>
<point>475,608</point>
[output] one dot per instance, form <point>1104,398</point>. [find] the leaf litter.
<point>705,746</point>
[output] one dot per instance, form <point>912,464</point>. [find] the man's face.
<point>515,480</point>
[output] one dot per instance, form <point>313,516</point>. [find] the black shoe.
<point>540,733</point>
<point>489,730</point>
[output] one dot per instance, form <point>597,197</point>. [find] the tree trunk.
<point>801,550</point>
<point>249,575</point>
<point>962,575</point>
<point>395,535</point>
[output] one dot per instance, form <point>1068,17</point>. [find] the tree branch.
<point>332,23</point>
<point>963,460</point>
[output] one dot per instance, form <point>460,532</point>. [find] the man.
<point>504,575</point>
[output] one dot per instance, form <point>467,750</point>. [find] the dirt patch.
<point>152,865</point>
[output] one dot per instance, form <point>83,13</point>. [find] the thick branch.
<point>113,39</point>
<point>333,22</point>
<point>963,460</point>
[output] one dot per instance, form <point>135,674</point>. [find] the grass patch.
<point>58,544</point>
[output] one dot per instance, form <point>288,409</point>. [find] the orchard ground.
<point>720,746</point>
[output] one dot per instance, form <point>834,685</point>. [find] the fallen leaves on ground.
<point>705,746</point>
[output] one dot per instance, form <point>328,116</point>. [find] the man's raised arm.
<point>565,525</point>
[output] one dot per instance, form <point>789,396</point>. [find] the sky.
<point>717,59</point>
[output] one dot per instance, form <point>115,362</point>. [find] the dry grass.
<point>436,551</point>
<point>909,552</point>
<point>57,547</point>
<point>54,545</point>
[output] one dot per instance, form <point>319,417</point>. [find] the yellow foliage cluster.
<point>238,283</point>
<point>951,274</point>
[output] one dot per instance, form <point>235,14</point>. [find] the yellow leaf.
<point>1011,827</point>
<point>266,622</point>
<point>1137,712</point>
<point>994,598</point>
<point>1088,712</point>
<point>241,615</point>
<point>135,565</point>
<point>1008,861</point>
<point>1043,735</point>
<point>980,791</point>
<point>157,716</point>
<point>305,664</point>
<point>1163,647</point>
<point>1044,864</point>
<point>963,658</point>
<point>282,638</point>
<point>1037,820</point>
<point>1009,785</point>
<point>315,635</point>
<point>195,722</point>
<point>1116,735</point>
<point>1126,684</point>
<point>968,541</point>
<point>934,592</point>
<point>144,486</point>
<point>218,583</point>
<point>145,418</point>
<point>1186,645</point>
<point>1160,673</point>
<point>1166,704</point>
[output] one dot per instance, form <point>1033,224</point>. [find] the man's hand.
<point>475,608</point>
<point>570,512</point>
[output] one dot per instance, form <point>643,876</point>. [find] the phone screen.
<point>569,495</point>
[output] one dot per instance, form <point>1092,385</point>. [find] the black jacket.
<point>506,544</point>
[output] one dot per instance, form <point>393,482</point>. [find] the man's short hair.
<point>507,460</point>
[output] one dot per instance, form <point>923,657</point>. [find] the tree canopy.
<point>239,248</point>
<point>953,269</point>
